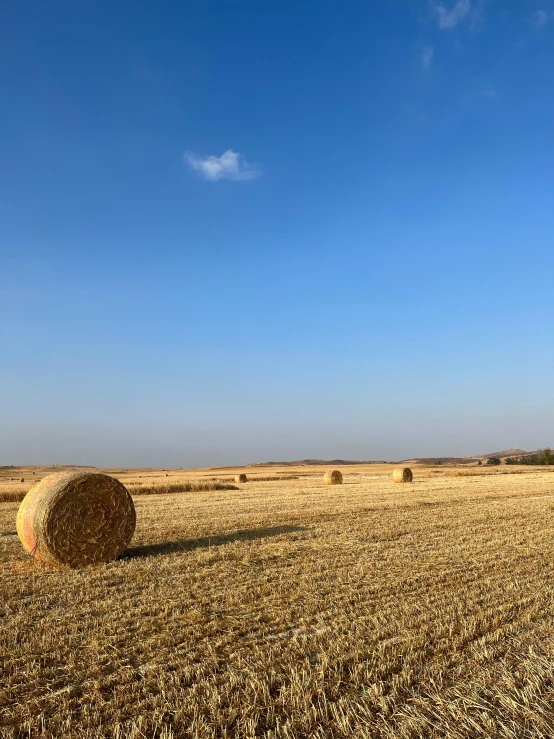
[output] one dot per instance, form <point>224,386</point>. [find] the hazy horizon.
<point>213,449</point>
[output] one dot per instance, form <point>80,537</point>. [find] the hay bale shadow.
<point>206,542</point>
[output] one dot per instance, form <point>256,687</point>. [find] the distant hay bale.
<point>241,478</point>
<point>22,479</point>
<point>76,519</point>
<point>332,478</point>
<point>402,474</point>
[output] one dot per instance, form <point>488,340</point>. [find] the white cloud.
<point>540,18</point>
<point>451,18</point>
<point>427,54</point>
<point>229,166</point>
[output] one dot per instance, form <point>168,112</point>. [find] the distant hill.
<point>414,460</point>
<point>76,466</point>
<point>507,453</point>
<point>516,453</point>
<point>442,460</point>
<point>312,462</point>
<point>535,453</point>
<point>477,458</point>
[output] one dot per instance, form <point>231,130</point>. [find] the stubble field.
<point>287,608</point>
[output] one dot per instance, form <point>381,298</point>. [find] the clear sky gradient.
<point>236,231</point>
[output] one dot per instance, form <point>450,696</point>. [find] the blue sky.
<point>235,231</point>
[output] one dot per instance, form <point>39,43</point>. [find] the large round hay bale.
<point>402,474</point>
<point>76,519</point>
<point>332,478</point>
<point>241,478</point>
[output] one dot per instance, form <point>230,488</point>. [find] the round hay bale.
<point>402,474</point>
<point>76,519</point>
<point>241,478</point>
<point>332,478</point>
<point>22,479</point>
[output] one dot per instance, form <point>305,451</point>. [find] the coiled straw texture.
<point>76,519</point>
<point>332,478</point>
<point>402,474</point>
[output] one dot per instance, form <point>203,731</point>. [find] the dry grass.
<point>275,478</point>
<point>290,609</point>
<point>138,488</point>
<point>179,487</point>
<point>12,496</point>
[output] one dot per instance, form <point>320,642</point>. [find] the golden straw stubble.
<point>332,478</point>
<point>76,519</point>
<point>402,474</point>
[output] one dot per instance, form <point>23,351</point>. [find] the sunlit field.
<point>287,608</point>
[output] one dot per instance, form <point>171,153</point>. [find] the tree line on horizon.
<point>545,457</point>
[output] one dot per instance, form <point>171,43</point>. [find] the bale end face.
<point>241,478</point>
<point>332,478</point>
<point>76,519</point>
<point>402,474</point>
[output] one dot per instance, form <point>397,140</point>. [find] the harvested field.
<point>292,609</point>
